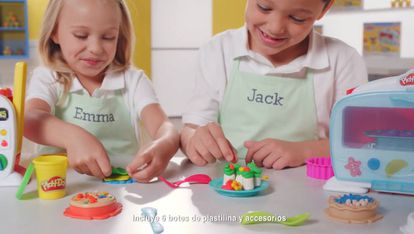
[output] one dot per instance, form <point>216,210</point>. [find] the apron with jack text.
<point>257,107</point>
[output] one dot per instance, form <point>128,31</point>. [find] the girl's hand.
<point>206,144</point>
<point>87,155</point>
<point>149,163</point>
<point>151,160</point>
<point>277,154</point>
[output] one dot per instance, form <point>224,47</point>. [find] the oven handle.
<point>403,100</point>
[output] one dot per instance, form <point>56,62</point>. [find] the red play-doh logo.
<point>407,80</point>
<point>54,183</point>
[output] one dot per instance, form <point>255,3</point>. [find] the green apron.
<point>107,119</point>
<point>256,107</point>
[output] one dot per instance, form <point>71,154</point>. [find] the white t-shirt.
<point>135,87</point>
<point>336,67</point>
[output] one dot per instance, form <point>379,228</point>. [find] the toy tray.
<point>218,182</point>
<point>392,139</point>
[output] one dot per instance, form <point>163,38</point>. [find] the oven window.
<point>379,128</point>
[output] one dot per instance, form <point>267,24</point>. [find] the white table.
<point>290,193</point>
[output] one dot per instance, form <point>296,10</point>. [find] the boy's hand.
<point>87,155</point>
<point>208,144</point>
<point>277,154</point>
<point>149,163</point>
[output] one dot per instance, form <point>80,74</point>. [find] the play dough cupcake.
<point>352,208</point>
<point>229,173</point>
<point>93,205</point>
<point>247,178</point>
<point>257,172</point>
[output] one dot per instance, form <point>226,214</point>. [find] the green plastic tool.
<point>25,181</point>
<point>257,217</point>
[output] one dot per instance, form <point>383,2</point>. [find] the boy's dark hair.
<point>327,2</point>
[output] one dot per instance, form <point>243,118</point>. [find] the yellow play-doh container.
<point>51,176</point>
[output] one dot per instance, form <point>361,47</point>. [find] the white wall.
<point>180,23</point>
<point>348,26</point>
<point>179,28</point>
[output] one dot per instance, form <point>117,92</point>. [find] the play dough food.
<point>352,208</point>
<point>238,178</point>
<point>93,205</point>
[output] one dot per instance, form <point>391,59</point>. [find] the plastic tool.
<point>193,179</point>
<point>25,181</point>
<point>319,168</point>
<point>257,217</point>
<point>151,213</point>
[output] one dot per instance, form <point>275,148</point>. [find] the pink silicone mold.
<point>319,168</point>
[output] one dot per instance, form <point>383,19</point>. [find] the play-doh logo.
<point>407,80</point>
<point>54,183</point>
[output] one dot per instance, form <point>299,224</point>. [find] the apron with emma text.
<point>107,119</point>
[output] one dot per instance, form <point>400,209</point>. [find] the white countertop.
<point>290,193</point>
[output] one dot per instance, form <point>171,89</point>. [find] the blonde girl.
<point>87,100</point>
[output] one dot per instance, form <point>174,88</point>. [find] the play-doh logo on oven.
<point>407,80</point>
<point>54,183</point>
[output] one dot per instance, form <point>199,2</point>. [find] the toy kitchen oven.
<point>372,137</point>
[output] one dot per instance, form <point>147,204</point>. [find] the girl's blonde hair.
<point>51,54</point>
